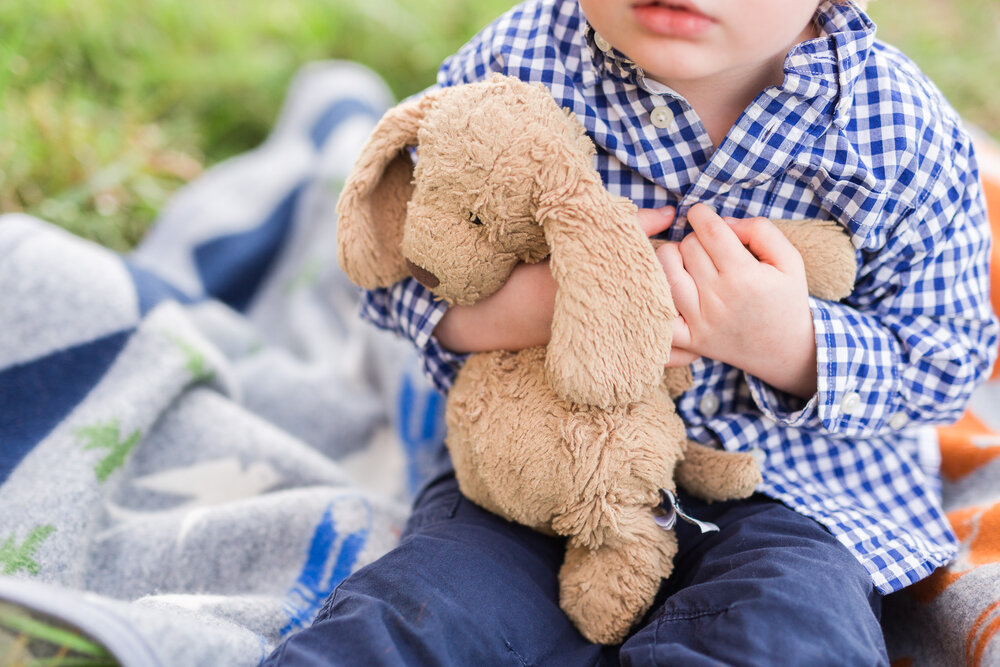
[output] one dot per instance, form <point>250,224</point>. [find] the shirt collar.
<point>826,67</point>
<point>601,60</point>
<point>830,65</point>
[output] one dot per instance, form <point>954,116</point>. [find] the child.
<point>723,110</point>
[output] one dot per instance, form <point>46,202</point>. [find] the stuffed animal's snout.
<point>423,276</point>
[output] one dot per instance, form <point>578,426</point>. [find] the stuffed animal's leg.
<point>715,474</point>
<point>606,590</point>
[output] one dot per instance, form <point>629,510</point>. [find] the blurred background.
<point>108,106</point>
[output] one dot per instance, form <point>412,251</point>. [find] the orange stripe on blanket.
<point>989,164</point>
<point>959,453</point>
<point>985,545</point>
<point>963,522</point>
<point>991,187</point>
<point>926,590</point>
<point>979,529</point>
<point>976,642</point>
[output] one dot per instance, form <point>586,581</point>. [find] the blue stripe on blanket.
<point>421,429</point>
<point>232,267</point>
<point>335,114</point>
<point>151,289</point>
<point>37,395</point>
<point>318,580</point>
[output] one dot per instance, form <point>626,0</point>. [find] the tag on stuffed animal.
<point>665,515</point>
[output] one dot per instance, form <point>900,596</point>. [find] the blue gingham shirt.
<point>855,133</point>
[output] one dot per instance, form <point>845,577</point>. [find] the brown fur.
<point>575,438</point>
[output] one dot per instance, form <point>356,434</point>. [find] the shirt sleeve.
<point>411,311</point>
<point>408,308</point>
<point>918,333</point>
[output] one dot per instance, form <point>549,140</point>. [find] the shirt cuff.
<point>781,406</point>
<point>440,364</point>
<point>858,382</point>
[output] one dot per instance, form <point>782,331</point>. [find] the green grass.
<point>109,105</point>
<point>957,43</point>
<point>30,639</point>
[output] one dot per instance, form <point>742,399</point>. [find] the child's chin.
<point>675,61</point>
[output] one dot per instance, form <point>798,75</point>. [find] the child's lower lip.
<point>671,21</point>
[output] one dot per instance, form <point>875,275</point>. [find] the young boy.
<point>713,116</point>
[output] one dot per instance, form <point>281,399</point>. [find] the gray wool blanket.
<point>200,440</point>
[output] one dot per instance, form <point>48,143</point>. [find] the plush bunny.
<point>576,438</point>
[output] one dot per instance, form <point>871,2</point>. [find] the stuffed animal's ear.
<point>613,320</point>
<point>372,206</point>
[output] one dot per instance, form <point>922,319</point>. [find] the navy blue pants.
<point>465,587</point>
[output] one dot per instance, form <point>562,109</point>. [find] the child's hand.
<point>515,317</point>
<point>740,289</point>
<point>519,314</point>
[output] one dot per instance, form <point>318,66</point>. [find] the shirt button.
<point>708,405</point>
<point>851,403</point>
<point>661,117</point>
<point>602,44</point>
<point>898,421</point>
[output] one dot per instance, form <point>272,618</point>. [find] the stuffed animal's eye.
<point>474,219</point>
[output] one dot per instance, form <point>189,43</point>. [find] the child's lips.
<point>672,18</point>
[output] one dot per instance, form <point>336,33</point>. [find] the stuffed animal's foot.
<point>715,474</point>
<point>606,590</point>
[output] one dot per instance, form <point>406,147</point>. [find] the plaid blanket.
<point>198,441</point>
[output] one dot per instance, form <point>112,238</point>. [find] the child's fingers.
<point>680,357</point>
<point>682,286</point>
<point>716,237</point>
<point>685,295</point>
<point>652,221</point>
<point>697,260</point>
<point>682,334</point>
<point>766,242</point>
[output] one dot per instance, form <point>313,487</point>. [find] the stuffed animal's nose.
<point>423,276</point>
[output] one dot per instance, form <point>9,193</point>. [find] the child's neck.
<point>720,99</point>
